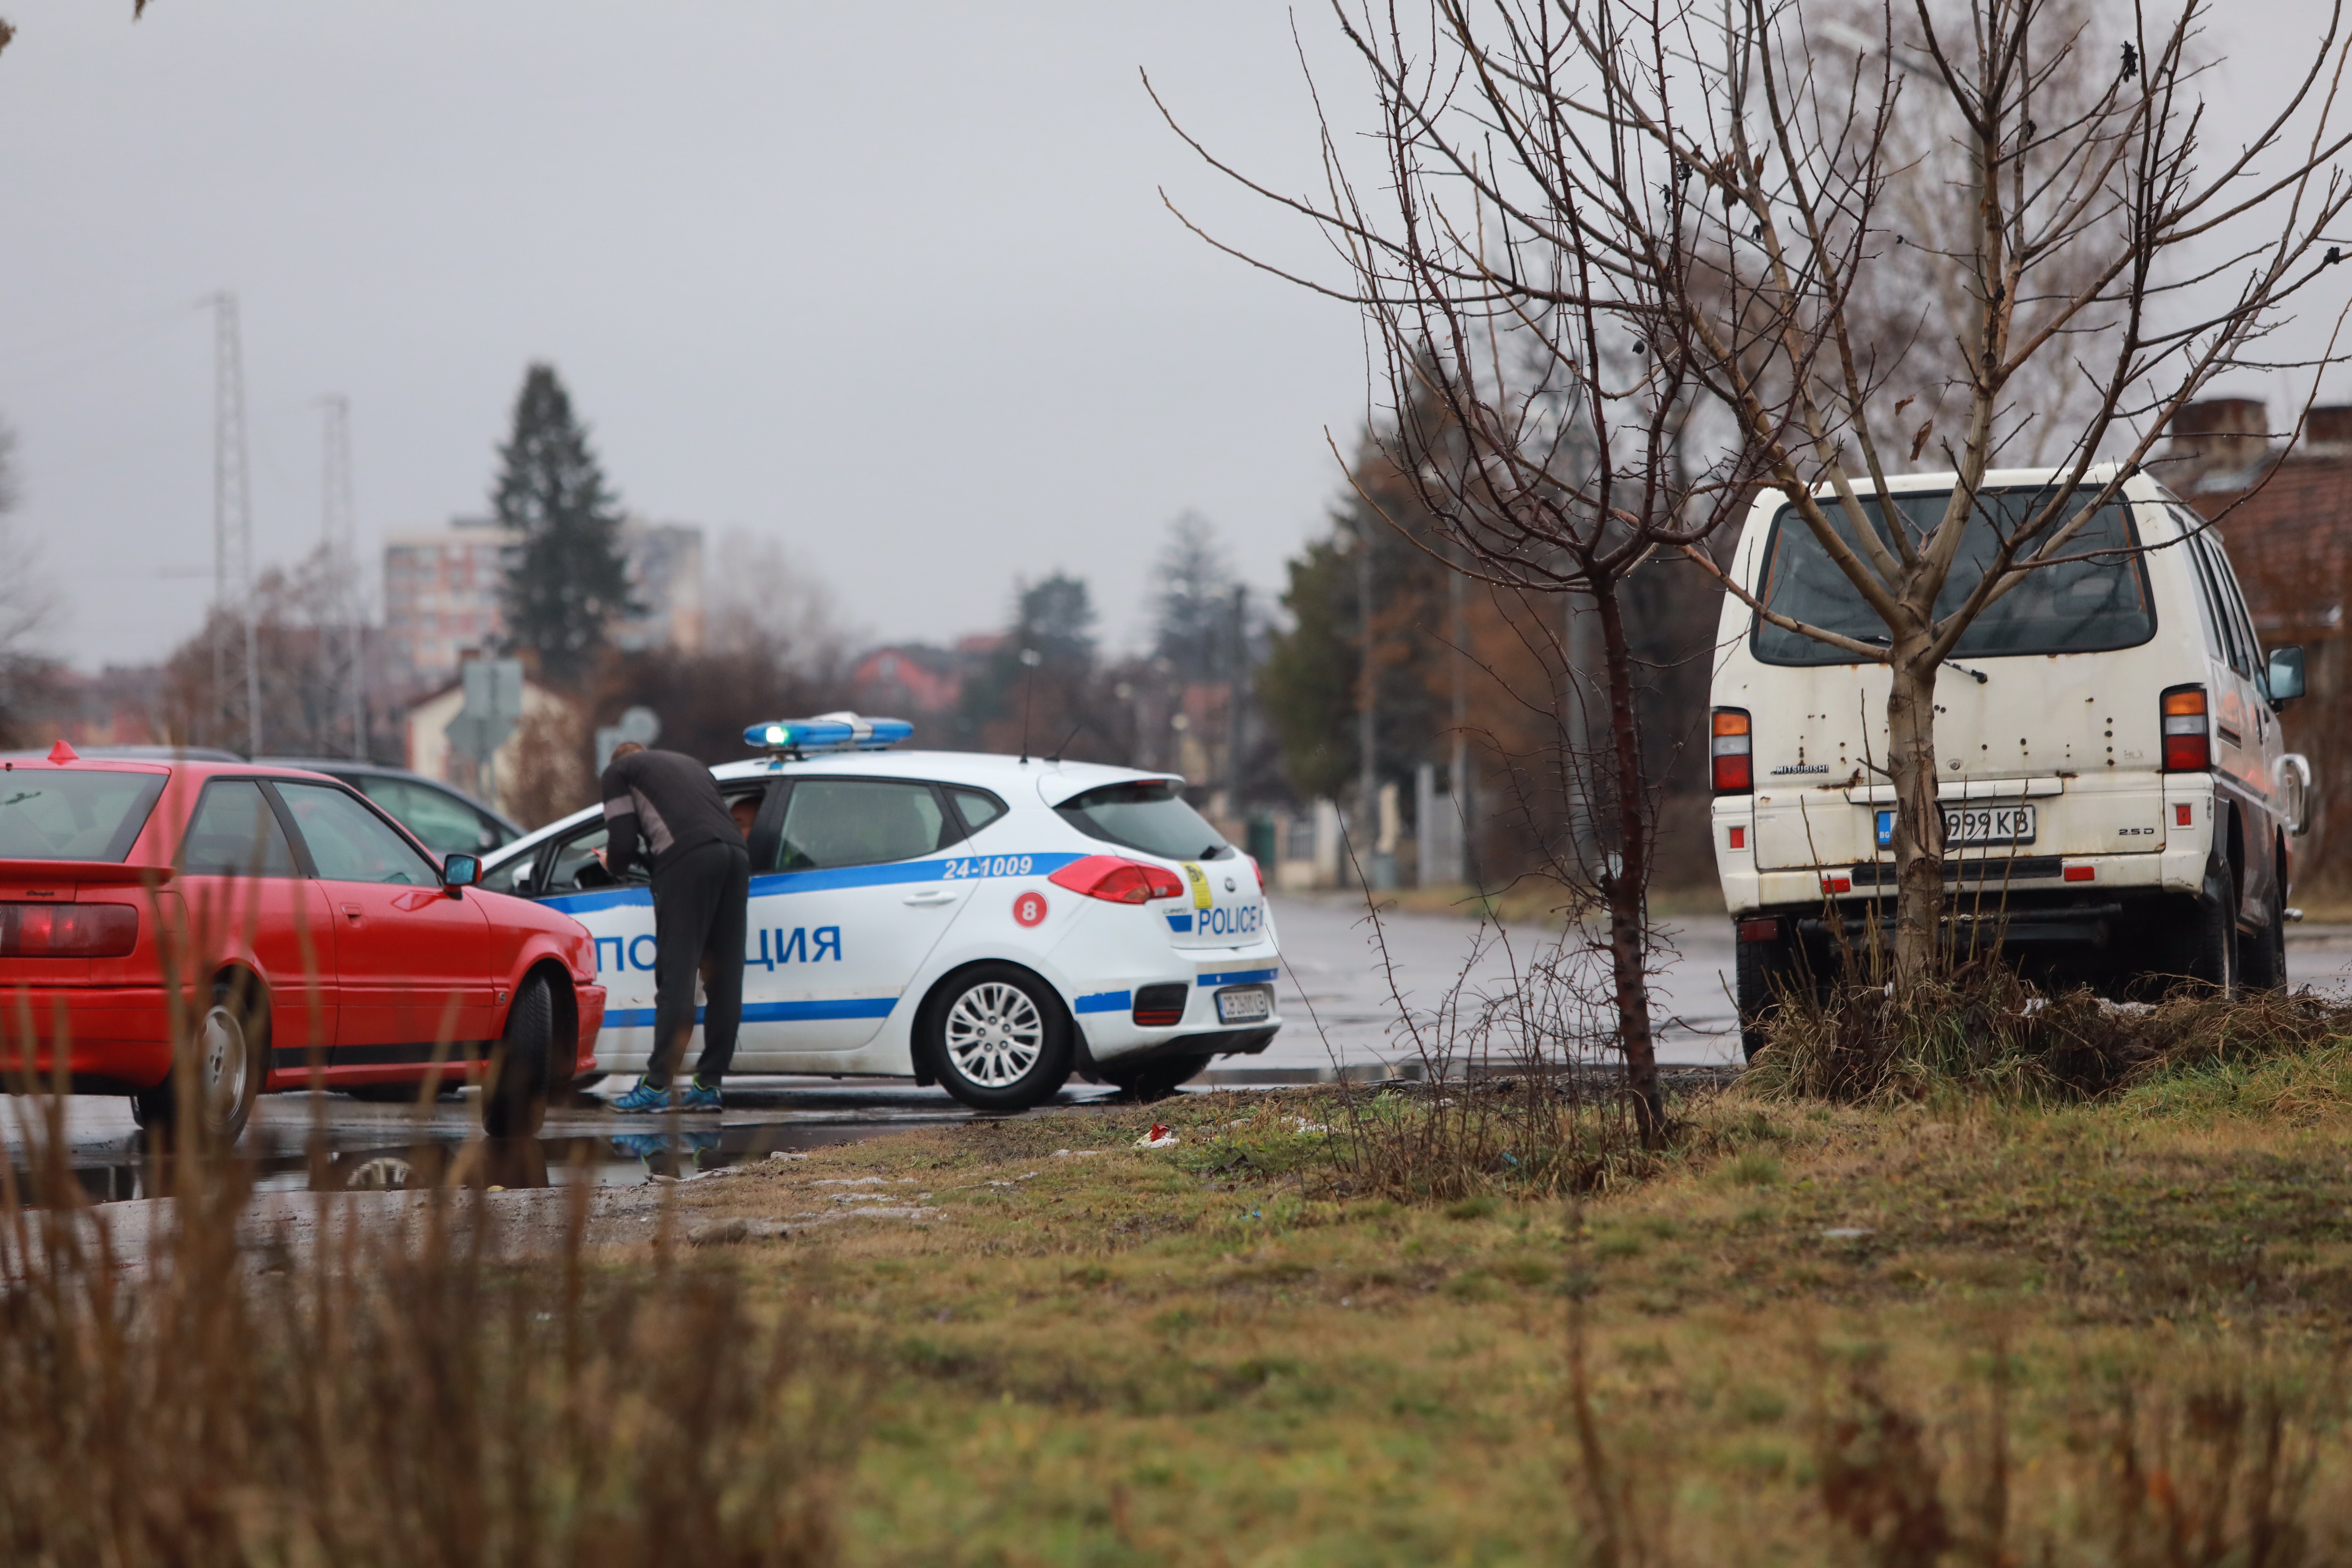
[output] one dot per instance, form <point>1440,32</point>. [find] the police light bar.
<point>827,733</point>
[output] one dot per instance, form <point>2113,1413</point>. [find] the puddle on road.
<point>391,1155</point>
<point>364,1147</point>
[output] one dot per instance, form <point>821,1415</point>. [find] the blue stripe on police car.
<point>770,1012</point>
<point>782,883</point>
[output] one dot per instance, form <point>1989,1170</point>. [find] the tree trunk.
<point>1918,818</point>
<point>1625,877</point>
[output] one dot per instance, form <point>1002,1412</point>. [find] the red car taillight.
<point>67,930</point>
<point>1118,879</point>
<point>2187,736</point>
<point>1730,751</point>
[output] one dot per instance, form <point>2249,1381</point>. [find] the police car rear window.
<point>1147,814</point>
<point>979,807</point>
<point>48,815</point>
<point>858,822</point>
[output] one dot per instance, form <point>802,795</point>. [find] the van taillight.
<point>1728,749</point>
<point>2188,744</point>
<point>67,930</point>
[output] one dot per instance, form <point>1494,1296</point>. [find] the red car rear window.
<point>51,814</point>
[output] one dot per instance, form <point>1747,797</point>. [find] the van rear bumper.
<point>1974,881</point>
<point>2177,867</point>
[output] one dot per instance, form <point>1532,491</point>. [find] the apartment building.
<point>442,591</point>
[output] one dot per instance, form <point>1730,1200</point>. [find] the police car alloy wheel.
<point>997,1039</point>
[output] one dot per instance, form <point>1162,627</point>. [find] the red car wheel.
<point>231,1052</point>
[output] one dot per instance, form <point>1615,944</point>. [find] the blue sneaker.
<point>641,1099</point>
<point>694,1097</point>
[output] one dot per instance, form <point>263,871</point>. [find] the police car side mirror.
<point>460,872</point>
<point>2285,674</point>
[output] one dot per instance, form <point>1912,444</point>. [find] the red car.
<point>310,940</point>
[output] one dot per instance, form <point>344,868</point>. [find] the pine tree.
<point>1007,703</point>
<point>566,580</point>
<point>1194,605</point>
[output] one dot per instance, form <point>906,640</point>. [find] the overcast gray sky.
<point>892,284</point>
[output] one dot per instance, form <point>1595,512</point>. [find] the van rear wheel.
<point>1761,970</point>
<point>2263,954</point>
<point>2214,955</point>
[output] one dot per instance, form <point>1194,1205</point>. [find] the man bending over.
<point>702,888</point>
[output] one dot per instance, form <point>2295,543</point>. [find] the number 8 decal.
<point>1029,909</point>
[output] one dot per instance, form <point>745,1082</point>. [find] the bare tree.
<point>763,605</point>
<point>28,678</point>
<point>1537,391</point>
<point>9,33</point>
<point>1730,200</point>
<point>1911,294</point>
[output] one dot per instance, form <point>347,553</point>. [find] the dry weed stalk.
<point>1984,1028</point>
<point>393,1389</point>
<point>1516,1095</point>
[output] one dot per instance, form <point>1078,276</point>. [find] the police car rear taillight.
<point>1118,879</point>
<point>67,930</point>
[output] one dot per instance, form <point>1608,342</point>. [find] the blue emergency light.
<point>826,732</point>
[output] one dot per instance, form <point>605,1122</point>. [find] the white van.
<point>2117,803</point>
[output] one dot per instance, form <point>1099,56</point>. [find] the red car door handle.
<point>352,911</point>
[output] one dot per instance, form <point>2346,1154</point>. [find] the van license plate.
<point>1973,824</point>
<point>1245,1005</point>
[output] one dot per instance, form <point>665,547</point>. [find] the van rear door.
<point>2042,748</point>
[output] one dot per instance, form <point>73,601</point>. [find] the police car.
<point>988,923</point>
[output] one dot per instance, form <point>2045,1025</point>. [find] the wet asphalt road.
<point>1340,1000</point>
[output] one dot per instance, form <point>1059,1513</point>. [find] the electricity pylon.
<point>341,648</point>
<point>232,533</point>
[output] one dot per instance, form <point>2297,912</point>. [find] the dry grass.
<point>394,1393</point>
<point>1984,1030</point>
<point>1958,1328</point>
<point>393,1390</point>
<point>1808,1334</point>
<point>1530,1136</point>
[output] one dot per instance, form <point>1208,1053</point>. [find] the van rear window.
<point>2082,606</point>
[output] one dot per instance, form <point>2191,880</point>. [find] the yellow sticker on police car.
<point>1200,881</point>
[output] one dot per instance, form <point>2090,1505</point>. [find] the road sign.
<point>641,725</point>
<point>493,708</point>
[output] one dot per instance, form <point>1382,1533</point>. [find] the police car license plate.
<point>1973,824</point>
<point>1245,1004</point>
